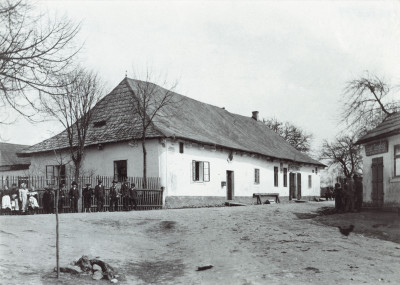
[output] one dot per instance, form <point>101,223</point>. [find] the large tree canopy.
<point>34,50</point>
<point>294,135</point>
<point>344,153</point>
<point>368,101</point>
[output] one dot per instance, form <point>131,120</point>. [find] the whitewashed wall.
<point>391,184</point>
<point>175,169</point>
<point>176,173</point>
<point>101,162</point>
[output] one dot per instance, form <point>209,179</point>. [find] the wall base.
<point>177,202</point>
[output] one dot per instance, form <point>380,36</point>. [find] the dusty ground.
<point>267,244</point>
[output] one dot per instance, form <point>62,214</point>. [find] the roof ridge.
<point>13,144</point>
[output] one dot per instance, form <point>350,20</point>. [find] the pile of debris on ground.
<point>95,267</point>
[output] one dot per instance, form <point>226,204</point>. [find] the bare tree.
<point>297,137</point>
<point>60,162</point>
<point>368,101</point>
<point>148,101</point>
<point>34,50</point>
<point>71,105</point>
<point>343,153</point>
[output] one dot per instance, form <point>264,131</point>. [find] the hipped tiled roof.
<point>389,127</point>
<point>188,119</point>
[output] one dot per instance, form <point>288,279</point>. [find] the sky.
<point>289,60</point>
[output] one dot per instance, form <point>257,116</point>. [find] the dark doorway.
<point>298,186</point>
<point>229,185</point>
<point>377,182</point>
<point>292,186</point>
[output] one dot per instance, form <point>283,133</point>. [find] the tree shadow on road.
<point>374,224</point>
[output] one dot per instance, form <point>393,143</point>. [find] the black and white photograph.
<point>199,142</point>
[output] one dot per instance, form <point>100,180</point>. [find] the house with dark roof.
<point>201,152</point>
<point>381,163</point>
<point>10,163</point>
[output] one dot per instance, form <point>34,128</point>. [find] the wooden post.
<point>57,237</point>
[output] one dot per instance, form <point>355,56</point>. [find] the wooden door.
<point>230,185</point>
<point>298,186</point>
<point>292,186</point>
<point>377,194</point>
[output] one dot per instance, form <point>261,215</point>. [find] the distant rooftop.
<point>9,159</point>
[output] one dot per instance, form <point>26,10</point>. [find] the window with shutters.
<point>200,171</point>
<point>55,174</point>
<point>309,181</point>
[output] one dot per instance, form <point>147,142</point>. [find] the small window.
<point>285,177</point>
<point>256,176</point>
<point>120,170</point>
<point>276,176</point>
<point>200,171</point>
<point>181,144</point>
<point>309,181</point>
<point>99,124</point>
<point>55,174</point>
<point>397,160</point>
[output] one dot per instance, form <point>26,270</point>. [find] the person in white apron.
<point>32,201</point>
<point>23,197</point>
<point>6,200</point>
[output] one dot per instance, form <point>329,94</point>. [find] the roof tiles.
<point>389,127</point>
<point>186,119</point>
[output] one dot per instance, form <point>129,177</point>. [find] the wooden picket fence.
<point>40,182</point>
<point>150,198</point>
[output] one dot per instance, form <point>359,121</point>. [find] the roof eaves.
<point>317,163</point>
<point>365,139</point>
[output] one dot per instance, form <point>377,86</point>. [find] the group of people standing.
<point>126,191</point>
<point>349,196</point>
<point>72,195</point>
<point>23,200</point>
<point>49,197</point>
<point>19,201</point>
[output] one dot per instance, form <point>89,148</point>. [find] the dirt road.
<point>265,244</point>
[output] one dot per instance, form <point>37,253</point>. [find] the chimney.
<point>255,115</point>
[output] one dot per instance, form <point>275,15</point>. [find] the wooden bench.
<point>260,195</point>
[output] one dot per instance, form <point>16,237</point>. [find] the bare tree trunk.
<point>57,237</point>
<point>77,172</point>
<point>144,163</point>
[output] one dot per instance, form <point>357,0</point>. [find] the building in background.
<point>381,164</point>
<point>10,164</point>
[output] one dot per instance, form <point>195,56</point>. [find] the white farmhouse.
<point>203,154</point>
<point>381,164</point>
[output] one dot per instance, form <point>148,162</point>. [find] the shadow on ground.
<point>370,223</point>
